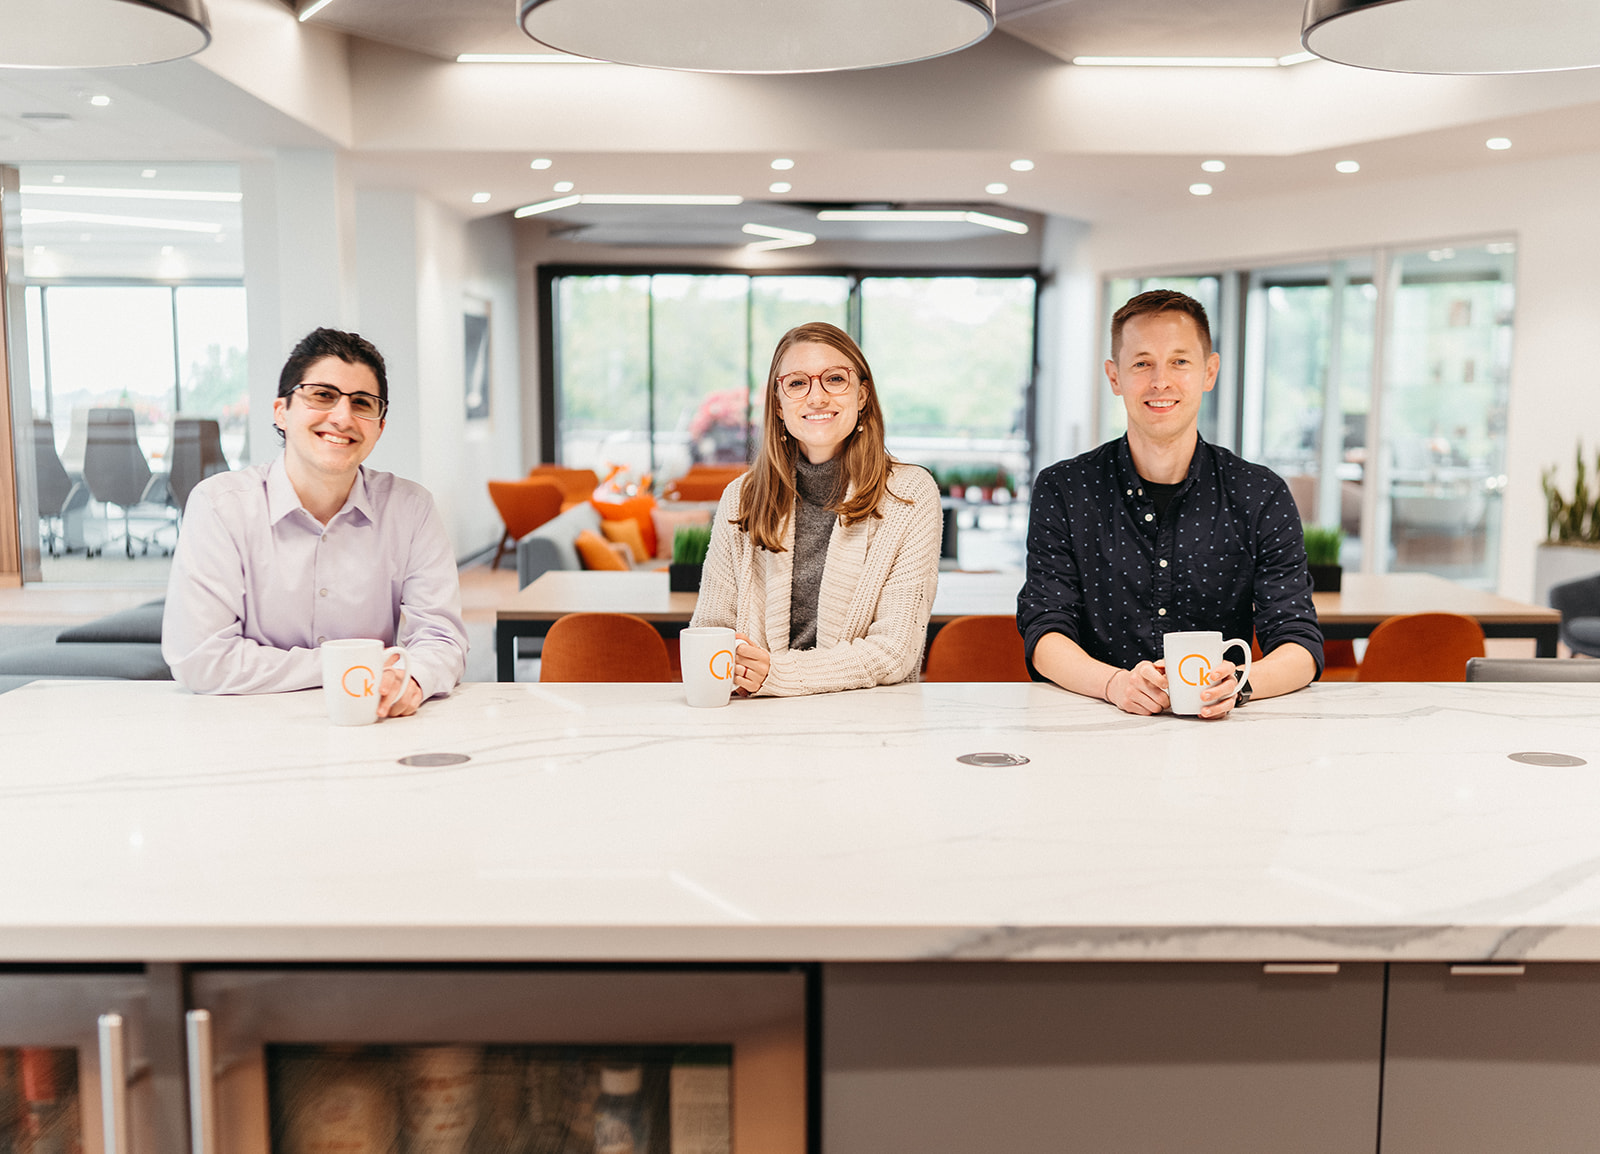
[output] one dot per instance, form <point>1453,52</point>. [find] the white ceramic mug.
<point>352,677</point>
<point>706,654</point>
<point>1190,658</point>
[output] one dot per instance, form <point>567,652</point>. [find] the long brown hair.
<point>766,502</point>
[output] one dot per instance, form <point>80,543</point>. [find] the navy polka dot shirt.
<point>1113,575</point>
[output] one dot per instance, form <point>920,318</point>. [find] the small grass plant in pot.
<point>689,546</point>
<point>1322,557</point>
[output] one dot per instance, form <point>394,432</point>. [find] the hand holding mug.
<point>1141,690</point>
<point>751,666</point>
<point>400,695</point>
<point>1199,682</point>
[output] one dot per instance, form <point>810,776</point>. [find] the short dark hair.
<point>351,348</point>
<point>1160,301</point>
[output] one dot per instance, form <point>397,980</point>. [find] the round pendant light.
<point>100,33</point>
<point>1455,37</point>
<point>761,36</point>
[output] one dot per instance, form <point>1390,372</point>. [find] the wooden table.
<point>1368,598</point>
<point>559,592</point>
<point>1354,612</point>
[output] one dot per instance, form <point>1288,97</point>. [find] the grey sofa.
<point>550,546</point>
<point>123,646</point>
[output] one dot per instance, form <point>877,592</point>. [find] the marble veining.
<point>1349,821</point>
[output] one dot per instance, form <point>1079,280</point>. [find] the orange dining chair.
<point>702,483</point>
<point>576,485</point>
<point>1421,647</point>
<point>604,647</point>
<point>977,648</point>
<point>523,506</point>
<point>1339,661</point>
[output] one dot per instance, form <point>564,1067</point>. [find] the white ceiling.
<point>1108,144</point>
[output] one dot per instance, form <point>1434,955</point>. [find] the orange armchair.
<point>977,648</point>
<point>523,506</point>
<point>1421,647</point>
<point>576,485</point>
<point>604,647</point>
<point>702,483</point>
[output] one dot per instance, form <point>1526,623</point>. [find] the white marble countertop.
<point>138,822</point>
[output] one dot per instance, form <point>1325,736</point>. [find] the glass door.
<point>1446,384</point>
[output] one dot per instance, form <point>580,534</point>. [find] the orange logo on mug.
<point>363,686</point>
<point>726,669</point>
<point>1188,671</point>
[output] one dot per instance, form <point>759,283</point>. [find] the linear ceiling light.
<point>780,238</point>
<point>1455,37</point>
<point>313,8</point>
<point>623,198</point>
<point>100,33</point>
<point>1194,61</point>
<point>133,193</point>
<point>523,58</point>
<point>51,216</point>
<point>923,216</point>
<point>760,37</point>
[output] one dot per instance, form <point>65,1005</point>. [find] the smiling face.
<point>1160,371</point>
<point>820,422</point>
<point>330,445</point>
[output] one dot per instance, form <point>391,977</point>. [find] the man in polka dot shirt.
<point>1159,532</point>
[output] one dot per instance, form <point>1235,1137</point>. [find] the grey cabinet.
<point>1484,1062</point>
<point>965,1057</point>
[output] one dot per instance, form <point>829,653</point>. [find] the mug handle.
<point>405,671</point>
<point>1245,645</point>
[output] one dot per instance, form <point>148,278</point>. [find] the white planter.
<point>1553,564</point>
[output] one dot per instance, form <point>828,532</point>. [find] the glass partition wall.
<point>657,372</point>
<point>1376,384</point>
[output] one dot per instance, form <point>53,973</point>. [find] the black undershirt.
<point>1160,496</point>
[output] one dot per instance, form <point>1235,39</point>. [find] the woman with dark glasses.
<point>825,555</point>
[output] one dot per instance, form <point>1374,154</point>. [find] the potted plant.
<point>689,546</point>
<point>1572,531</point>
<point>1322,557</point>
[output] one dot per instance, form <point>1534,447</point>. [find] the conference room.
<point>953,912</point>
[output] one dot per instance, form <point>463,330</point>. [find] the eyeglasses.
<point>797,386</point>
<point>325,398</point>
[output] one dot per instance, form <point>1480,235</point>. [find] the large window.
<point>1424,495</point>
<point>659,371</point>
<point>161,350</point>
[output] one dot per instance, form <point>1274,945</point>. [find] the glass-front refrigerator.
<point>660,1060</point>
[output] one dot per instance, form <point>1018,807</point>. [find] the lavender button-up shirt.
<point>258,583</point>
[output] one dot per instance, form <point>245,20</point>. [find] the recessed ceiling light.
<point>1213,166</point>
<point>997,188</point>
<point>166,250</point>
<point>148,174</point>
<point>1200,189</point>
<point>1022,166</point>
<point>779,186</point>
<point>562,186</point>
<point>542,162</point>
<point>1347,166</point>
<point>480,198</point>
<point>100,100</point>
<point>782,164</point>
<point>38,250</point>
<point>1498,143</point>
<point>58,179</point>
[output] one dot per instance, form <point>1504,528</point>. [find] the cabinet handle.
<point>202,1084</point>
<point>113,1084</point>
<point>1483,970</point>
<point>1300,968</point>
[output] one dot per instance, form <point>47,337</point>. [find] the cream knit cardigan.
<point>872,609</point>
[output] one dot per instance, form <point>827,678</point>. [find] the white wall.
<point>1065,414</point>
<point>1547,205</point>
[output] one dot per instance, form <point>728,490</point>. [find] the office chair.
<point>1421,647</point>
<point>523,506</point>
<point>977,648</point>
<point>604,647</point>
<point>59,495</point>
<point>1579,603</point>
<point>115,470</point>
<point>1532,669</point>
<point>194,453</point>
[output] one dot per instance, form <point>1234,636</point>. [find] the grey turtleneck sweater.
<point>813,527</point>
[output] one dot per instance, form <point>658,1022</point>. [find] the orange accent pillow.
<point>627,533</point>
<point>633,509</point>
<point>595,553</point>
